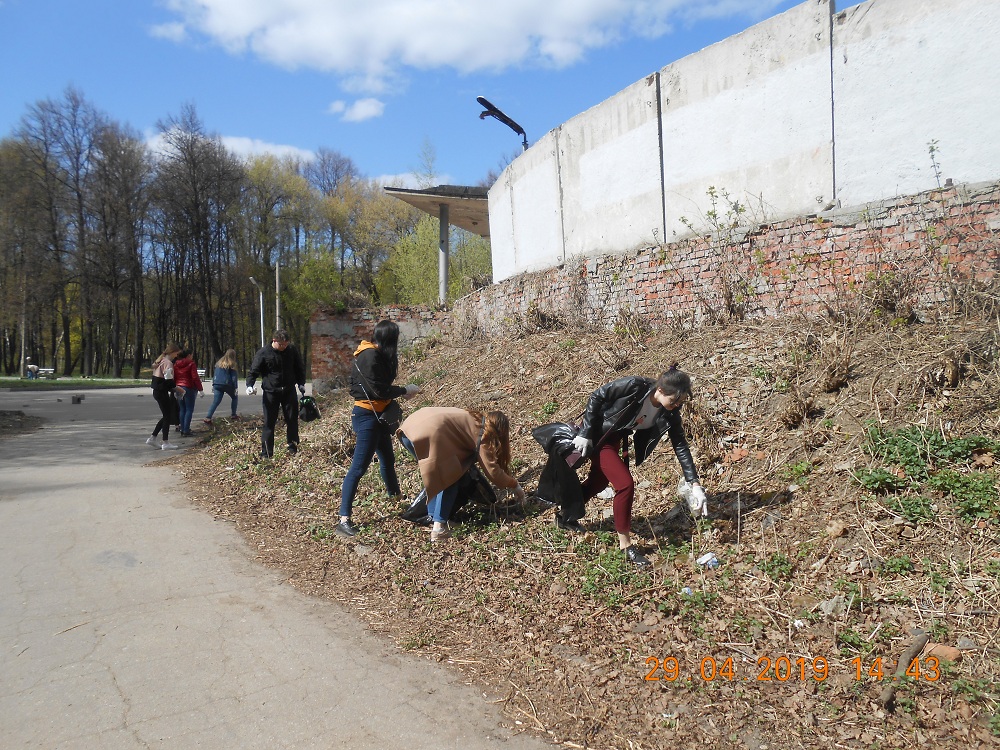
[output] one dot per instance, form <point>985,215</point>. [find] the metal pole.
<point>261,290</point>
<point>277,295</point>
<point>443,253</point>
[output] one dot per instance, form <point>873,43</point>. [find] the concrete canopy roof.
<point>467,206</point>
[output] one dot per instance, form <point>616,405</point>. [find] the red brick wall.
<point>335,336</point>
<point>899,255</point>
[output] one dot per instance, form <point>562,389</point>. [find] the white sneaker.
<point>151,440</point>
<point>168,447</point>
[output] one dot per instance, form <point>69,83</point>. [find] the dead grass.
<point>816,572</point>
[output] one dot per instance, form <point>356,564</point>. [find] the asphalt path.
<point>129,618</point>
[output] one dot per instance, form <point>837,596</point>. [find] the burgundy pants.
<point>607,467</point>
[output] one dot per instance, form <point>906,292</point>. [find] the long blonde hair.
<point>170,349</point>
<point>496,435</point>
<point>228,360</point>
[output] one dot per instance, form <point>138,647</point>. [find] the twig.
<point>888,697</point>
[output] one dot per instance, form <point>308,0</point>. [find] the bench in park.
<point>46,372</point>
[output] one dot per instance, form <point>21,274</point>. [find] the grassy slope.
<point>564,634</point>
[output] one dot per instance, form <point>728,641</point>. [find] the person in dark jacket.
<point>163,386</point>
<point>280,369</point>
<point>374,369</point>
<point>646,410</point>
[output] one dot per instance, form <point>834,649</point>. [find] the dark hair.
<point>280,335</point>
<point>386,338</point>
<point>674,381</point>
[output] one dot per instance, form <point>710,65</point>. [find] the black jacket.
<point>278,371</point>
<point>378,376</point>
<point>613,406</point>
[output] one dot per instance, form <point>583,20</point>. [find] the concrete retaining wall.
<point>892,257</point>
<point>808,110</point>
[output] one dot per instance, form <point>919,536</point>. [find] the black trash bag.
<point>556,438</point>
<point>472,487</point>
<point>308,411</point>
<point>559,482</point>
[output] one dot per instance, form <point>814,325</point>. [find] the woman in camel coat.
<point>446,441</point>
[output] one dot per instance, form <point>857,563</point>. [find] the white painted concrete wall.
<point>529,200</point>
<point>803,110</point>
<point>751,116</point>
<point>609,162</point>
<point>906,73</point>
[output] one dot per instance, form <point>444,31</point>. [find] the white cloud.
<point>252,147</point>
<point>363,109</point>
<point>405,180</point>
<point>369,44</point>
<point>241,146</point>
<point>172,32</point>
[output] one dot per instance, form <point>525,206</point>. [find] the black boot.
<point>634,556</point>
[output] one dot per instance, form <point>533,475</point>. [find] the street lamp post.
<point>261,290</point>
<point>490,110</point>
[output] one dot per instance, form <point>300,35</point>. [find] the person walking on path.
<point>225,381</point>
<point>446,442</point>
<point>279,368</point>
<point>645,409</point>
<point>163,393</point>
<point>189,383</point>
<point>375,366</point>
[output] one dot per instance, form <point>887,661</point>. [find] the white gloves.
<point>583,445</point>
<point>693,493</point>
<point>251,390</point>
<point>411,390</point>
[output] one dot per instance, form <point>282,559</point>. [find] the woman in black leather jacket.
<point>645,409</point>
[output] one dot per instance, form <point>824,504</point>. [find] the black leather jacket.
<point>279,372</point>
<point>376,376</point>
<point>614,406</point>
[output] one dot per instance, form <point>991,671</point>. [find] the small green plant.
<point>879,481</point>
<point>899,566</point>
<point>914,508</point>
<point>318,532</point>
<point>793,472</point>
<point>567,344</point>
<point>971,689</point>
<point>548,409</point>
<point>974,494</point>
<point>777,567</point>
<point>851,643</point>
<point>932,149</point>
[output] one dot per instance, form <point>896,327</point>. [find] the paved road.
<point>131,619</point>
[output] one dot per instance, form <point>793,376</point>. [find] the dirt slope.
<point>855,508</point>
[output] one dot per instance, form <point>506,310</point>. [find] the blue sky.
<point>377,80</point>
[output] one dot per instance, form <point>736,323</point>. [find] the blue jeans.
<point>373,439</point>
<point>439,506</point>
<point>217,394</point>
<point>187,408</point>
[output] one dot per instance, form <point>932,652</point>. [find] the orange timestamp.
<point>788,668</point>
<point>886,669</point>
<point>768,669</point>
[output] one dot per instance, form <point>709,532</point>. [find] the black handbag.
<point>391,416</point>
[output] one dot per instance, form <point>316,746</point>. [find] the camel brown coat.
<point>445,440</point>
